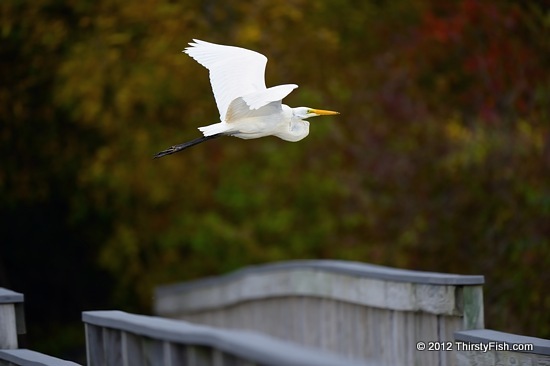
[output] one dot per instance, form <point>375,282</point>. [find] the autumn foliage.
<point>439,160</point>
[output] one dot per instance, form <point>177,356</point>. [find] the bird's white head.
<point>306,112</point>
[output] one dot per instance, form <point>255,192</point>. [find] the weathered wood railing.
<point>25,357</point>
<point>12,323</point>
<point>355,313</point>
<point>489,347</point>
<point>121,339</point>
<point>12,319</point>
<point>361,311</point>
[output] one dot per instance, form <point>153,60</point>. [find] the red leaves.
<point>484,51</point>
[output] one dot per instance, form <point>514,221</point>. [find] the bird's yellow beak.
<point>322,112</point>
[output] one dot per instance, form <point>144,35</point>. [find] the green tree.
<point>437,161</point>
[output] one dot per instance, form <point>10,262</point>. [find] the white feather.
<point>276,93</point>
<point>248,109</point>
<point>214,129</point>
<point>229,76</point>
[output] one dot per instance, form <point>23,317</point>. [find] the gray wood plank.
<point>500,349</point>
<point>540,346</point>
<point>354,282</point>
<point>351,330</point>
<point>112,347</point>
<point>436,299</point>
<point>270,299</point>
<point>447,327</point>
<point>199,356</point>
<point>255,347</point>
<point>10,297</point>
<point>153,351</point>
<point>17,299</point>
<point>132,352</point>
<point>8,326</point>
<point>25,357</point>
<point>343,267</point>
<point>472,302</point>
<point>426,328</point>
<point>95,353</point>
<point>175,354</point>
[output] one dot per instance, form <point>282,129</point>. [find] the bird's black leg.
<point>185,145</point>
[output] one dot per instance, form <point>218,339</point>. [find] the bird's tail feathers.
<point>216,128</point>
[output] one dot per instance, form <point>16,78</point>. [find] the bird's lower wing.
<point>257,104</point>
<point>260,98</point>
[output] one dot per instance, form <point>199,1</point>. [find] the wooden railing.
<point>325,312</point>
<point>122,339</point>
<point>25,357</point>
<point>12,324</point>
<point>361,311</point>
<point>12,319</point>
<point>489,347</point>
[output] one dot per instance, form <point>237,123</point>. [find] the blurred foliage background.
<point>439,160</point>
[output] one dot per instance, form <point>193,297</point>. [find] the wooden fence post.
<point>11,318</point>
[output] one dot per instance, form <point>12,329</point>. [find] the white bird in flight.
<point>248,109</point>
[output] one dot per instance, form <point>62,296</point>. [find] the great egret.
<point>248,109</point>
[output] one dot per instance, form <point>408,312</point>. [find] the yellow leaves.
<point>293,11</point>
<point>365,182</point>
<point>411,235</point>
<point>456,131</point>
<point>118,38</point>
<point>80,83</point>
<point>98,168</point>
<point>328,38</point>
<point>469,145</point>
<point>250,32</point>
<point>105,22</point>
<point>56,34</point>
<point>529,134</point>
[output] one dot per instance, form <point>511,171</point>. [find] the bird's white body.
<point>248,109</point>
<point>273,119</point>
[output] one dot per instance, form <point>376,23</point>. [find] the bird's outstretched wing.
<point>236,72</point>
<point>261,97</point>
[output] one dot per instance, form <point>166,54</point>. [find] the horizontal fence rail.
<point>119,338</point>
<point>358,310</point>
<point>12,323</point>
<point>12,319</point>
<point>25,357</point>
<point>490,347</point>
